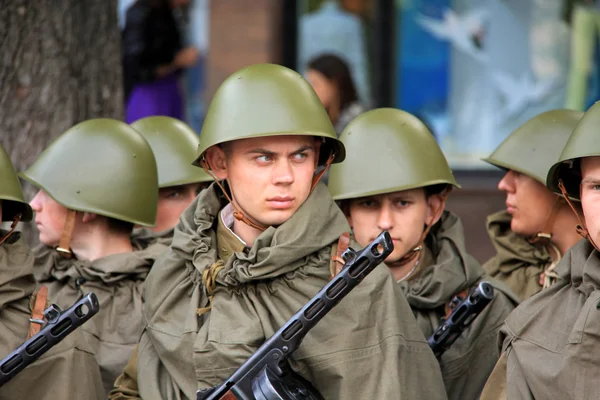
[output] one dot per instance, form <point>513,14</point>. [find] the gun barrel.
<point>461,317</point>
<point>51,334</point>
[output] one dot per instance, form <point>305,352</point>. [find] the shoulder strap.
<point>337,262</point>
<point>39,303</point>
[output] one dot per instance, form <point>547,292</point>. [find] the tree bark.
<point>60,64</point>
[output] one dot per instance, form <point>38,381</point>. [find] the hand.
<point>186,57</point>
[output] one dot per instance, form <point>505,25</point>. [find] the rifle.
<point>462,316</point>
<point>267,375</point>
<point>59,324</point>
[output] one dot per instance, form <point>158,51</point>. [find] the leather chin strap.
<point>581,227</point>
<point>545,235</point>
<point>64,246</point>
<point>13,226</point>
<point>239,214</point>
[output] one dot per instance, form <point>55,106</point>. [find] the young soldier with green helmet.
<point>96,181</point>
<point>174,144</point>
<point>551,340</point>
<point>68,370</point>
<point>537,227</point>
<point>396,178</point>
<point>246,256</point>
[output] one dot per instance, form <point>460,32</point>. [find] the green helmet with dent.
<point>583,142</point>
<point>267,100</point>
<point>536,145</point>
<point>174,145</point>
<point>388,150</point>
<point>102,166</point>
<point>11,195</point>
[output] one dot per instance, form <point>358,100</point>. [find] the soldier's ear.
<point>88,217</point>
<point>217,160</point>
<point>435,206</point>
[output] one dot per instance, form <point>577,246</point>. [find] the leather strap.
<point>337,261</point>
<point>457,298</point>
<point>13,226</point>
<point>546,234</point>
<point>318,176</point>
<point>64,246</point>
<point>37,312</point>
<point>581,227</point>
<point>237,214</point>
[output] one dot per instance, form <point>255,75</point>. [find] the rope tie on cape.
<point>237,213</point>
<point>13,226</point>
<point>581,227</point>
<point>209,280</point>
<point>549,276</point>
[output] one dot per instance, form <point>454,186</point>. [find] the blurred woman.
<point>153,57</point>
<point>330,77</point>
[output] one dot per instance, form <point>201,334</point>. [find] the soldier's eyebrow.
<point>303,148</point>
<point>266,152</point>
<point>592,180</point>
<point>260,150</point>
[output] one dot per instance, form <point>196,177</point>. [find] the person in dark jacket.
<point>153,57</point>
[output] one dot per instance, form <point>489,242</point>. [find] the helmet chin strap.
<point>64,246</point>
<point>13,226</point>
<point>238,214</point>
<point>581,227</point>
<point>545,235</point>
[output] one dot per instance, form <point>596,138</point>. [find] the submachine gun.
<point>267,375</point>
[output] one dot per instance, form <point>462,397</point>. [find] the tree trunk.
<point>60,64</point>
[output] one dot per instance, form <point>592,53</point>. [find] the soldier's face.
<point>403,214</point>
<point>590,195</point>
<point>49,218</point>
<point>527,201</point>
<point>172,201</point>
<point>270,178</point>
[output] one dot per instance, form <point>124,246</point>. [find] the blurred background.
<point>472,70</point>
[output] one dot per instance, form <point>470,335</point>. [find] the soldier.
<point>96,181</point>
<point>396,178</point>
<point>174,144</point>
<point>537,227</point>
<point>551,340</point>
<point>247,256</point>
<point>66,371</point>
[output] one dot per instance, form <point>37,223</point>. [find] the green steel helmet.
<point>102,166</point>
<point>174,145</point>
<point>388,150</point>
<point>536,145</point>
<point>583,142</point>
<point>11,195</point>
<point>267,100</point>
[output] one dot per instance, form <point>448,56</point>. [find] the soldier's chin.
<point>276,217</point>
<point>394,257</point>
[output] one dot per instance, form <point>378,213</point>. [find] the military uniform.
<point>390,151</point>
<point>550,342</point>
<point>174,144</point>
<point>530,150</point>
<point>359,350</point>
<point>112,173</point>
<point>66,371</point>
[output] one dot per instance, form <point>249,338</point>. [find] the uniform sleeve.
<point>126,385</point>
